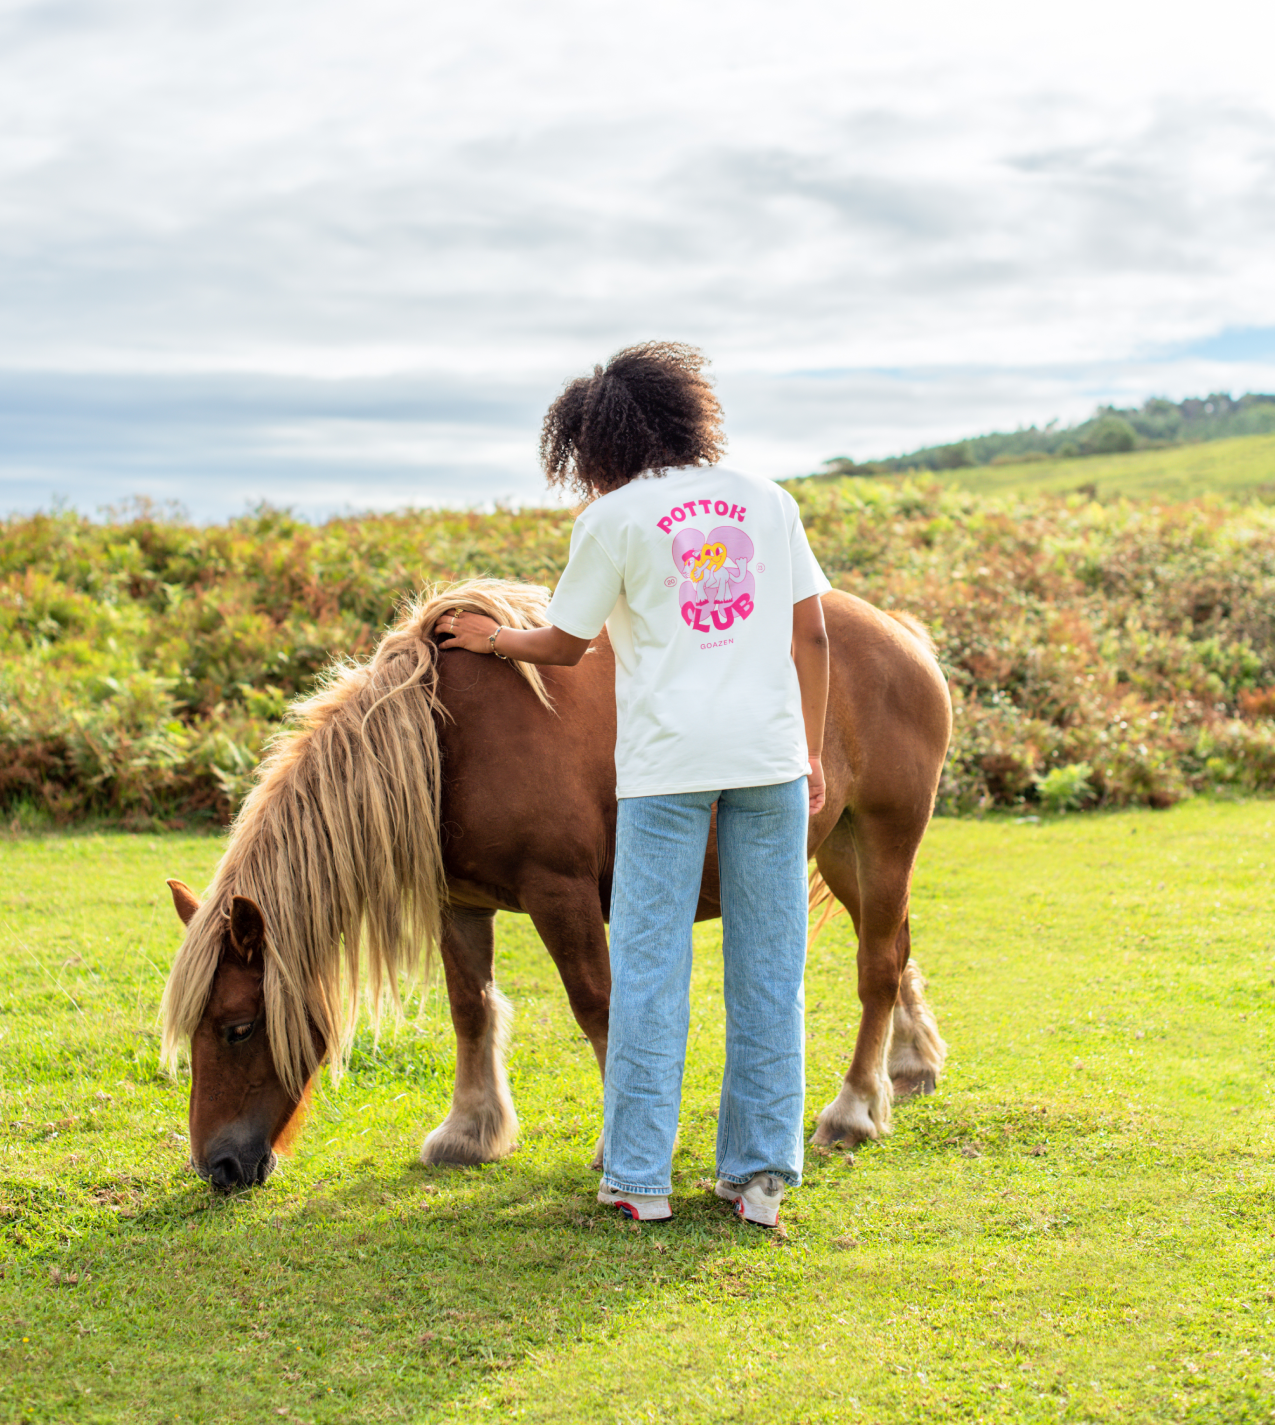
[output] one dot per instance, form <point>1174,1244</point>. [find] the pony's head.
<point>241,1111</point>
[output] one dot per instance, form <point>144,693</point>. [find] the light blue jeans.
<point>659,856</point>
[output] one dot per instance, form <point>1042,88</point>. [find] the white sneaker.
<point>757,1200</point>
<point>640,1206</point>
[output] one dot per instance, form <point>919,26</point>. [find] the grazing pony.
<point>415,795</point>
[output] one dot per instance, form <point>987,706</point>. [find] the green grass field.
<point>1077,1227</point>
<point>1231,468</point>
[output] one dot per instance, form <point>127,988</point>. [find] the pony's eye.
<point>237,1033</point>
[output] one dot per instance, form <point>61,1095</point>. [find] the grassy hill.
<point>1154,425</point>
<point>1243,467</point>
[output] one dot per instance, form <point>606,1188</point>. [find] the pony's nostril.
<point>225,1172</point>
<point>240,1166</point>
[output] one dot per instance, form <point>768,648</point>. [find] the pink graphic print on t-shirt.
<point>717,584</point>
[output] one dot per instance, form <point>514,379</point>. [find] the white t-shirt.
<point>694,574</point>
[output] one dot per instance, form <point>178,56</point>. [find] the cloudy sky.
<point>342,255</point>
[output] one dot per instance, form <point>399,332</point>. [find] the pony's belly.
<point>474,895</point>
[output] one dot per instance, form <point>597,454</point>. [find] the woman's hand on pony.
<point>472,632</point>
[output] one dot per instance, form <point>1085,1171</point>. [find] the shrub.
<point>1066,788</point>
<point>145,661</point>
<point>953,457</point>
<point>1109,435</point>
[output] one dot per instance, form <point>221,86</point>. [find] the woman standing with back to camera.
<point>710,594</point>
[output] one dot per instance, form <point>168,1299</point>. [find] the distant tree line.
<point>1110,429</point>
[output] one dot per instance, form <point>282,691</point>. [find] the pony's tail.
<point>916,628</point>
<point>822,900</point>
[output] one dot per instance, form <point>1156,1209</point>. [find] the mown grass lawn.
<point>1078,1226</point>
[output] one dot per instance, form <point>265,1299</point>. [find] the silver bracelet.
<point>491,642</point>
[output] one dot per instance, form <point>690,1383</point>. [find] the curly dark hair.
<point>651,408</point>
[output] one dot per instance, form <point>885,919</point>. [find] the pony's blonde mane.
<point>338,841</point>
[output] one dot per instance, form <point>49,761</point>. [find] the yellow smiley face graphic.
<point>710,559</point>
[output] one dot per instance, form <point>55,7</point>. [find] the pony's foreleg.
<point>871,877</point>
<point>481,1125</point>
<point>567,915</point>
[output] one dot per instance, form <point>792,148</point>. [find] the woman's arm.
<point>810,654</point>
<point>528,645</point>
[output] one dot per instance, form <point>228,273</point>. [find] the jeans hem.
<point>633,1188</point>
<point>792,1179</point>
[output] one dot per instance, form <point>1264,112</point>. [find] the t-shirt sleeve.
<point>807,577</point>
<point>588,589</point>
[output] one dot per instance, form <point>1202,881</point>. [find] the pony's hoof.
<point>595,1163</point>
<point>912,1085</point>
<point>452,1153</point>
<point>451,1145</point>
<point>828,1132</point>
<point>848,1119</point>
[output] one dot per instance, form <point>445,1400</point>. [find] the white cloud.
<point>1005,208</point>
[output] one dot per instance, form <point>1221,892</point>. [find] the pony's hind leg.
<point>917,1050</point>
<point>868,867</point>
<point>481,1125</point>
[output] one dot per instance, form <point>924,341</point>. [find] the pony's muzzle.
<point>236,1165</point>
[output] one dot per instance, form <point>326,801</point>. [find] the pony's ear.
<point>247,927</point>
<point>185,901</point>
